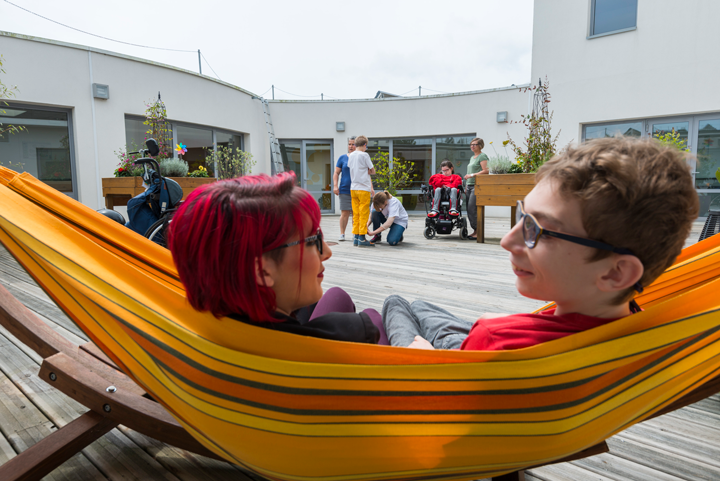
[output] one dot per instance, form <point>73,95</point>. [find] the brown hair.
<point>447,163</point>
<point>380,198</point>
<point>480,142</point>
<point>360,140</point>
<point>635,194</point>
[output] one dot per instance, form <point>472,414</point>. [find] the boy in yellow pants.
<point>361,190</point>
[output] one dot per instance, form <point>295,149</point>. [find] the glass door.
<point>682,126</point>
<point>317,170</point>
<point>708,161</point>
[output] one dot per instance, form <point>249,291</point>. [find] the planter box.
<point>119,190</point>
<point>502,190</point>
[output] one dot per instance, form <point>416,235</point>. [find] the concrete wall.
<point>665,67</point>
<point>61,75</point>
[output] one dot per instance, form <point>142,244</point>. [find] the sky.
<point>340,49</point>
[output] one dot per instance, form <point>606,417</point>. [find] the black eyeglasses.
<point>317,239</point>
<point>532,232</point>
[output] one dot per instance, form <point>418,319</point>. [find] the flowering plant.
<point>127,167</point>
<point>200,172</point>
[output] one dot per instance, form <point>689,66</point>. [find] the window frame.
<point>591,26</point>
<point>71,139</point>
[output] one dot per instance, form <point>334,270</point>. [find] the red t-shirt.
<point>524,330</point>
<point>442,180</point>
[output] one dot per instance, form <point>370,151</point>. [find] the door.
<point>317,172</point>
<point>707,152</point>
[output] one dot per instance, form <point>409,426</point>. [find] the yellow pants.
<point>360,210</point>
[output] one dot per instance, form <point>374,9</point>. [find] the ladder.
<point>275,157</point>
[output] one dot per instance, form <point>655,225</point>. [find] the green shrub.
<point>231,163</point>
<point>173,168</point>
<point>500,164</point>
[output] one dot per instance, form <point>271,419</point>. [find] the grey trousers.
<point>403,321</point>
<point>471,206</point>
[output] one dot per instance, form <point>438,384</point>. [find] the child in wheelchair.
<point>445,213</point>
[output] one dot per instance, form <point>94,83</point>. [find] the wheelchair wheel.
<point>463,230</point>
<point>156,232</point>
<point>429,232</point>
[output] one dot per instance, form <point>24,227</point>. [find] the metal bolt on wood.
<point>53,376</point>
<point>106,408</point>
<point>111,389</point>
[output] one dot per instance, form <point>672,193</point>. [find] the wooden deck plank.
<point>659,458</point>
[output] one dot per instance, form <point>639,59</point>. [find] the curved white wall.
<point>59,75</point>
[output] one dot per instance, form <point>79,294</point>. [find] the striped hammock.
<point>298,408</point>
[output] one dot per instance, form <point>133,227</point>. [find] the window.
<point>456,150</point>
<point>200,140</point>
<point>628,129</point>
<point>199,144</point>
<point>701,134</point>
<point>44,148</point>
<point>612,16</point>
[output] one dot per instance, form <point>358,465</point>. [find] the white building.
<point>615,66</point>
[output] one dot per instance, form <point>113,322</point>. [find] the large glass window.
<point>608,16</point>
<point>291,153</point>
<point>708,154</point>
<point>456,150</point>
<point>135,135</point>
<point>199,144</point>
<point>627,129</point>
<point>200,140</point>
<point>44,148</point>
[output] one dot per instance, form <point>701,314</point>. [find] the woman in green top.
<point>477,166</point>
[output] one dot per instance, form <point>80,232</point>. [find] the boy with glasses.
<point>604,220</point>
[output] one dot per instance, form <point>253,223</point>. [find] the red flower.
<point>120,169</point>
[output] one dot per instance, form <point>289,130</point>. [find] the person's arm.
<point>388,223</point>
<point>456,181</point>
<point>336,181</point>
<point>485,169</point>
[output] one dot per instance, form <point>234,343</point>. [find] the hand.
<point>467,176</point>
<point>372,192</point>
<point>336,191</point>
<point>420,343</point>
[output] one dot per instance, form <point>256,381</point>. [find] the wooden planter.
<point>503,190</point>
<point>119,190</point>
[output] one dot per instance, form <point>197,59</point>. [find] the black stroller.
<point>150,212</point>
<point>444,223</point>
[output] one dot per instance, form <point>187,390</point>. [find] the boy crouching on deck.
<point>604,220</point>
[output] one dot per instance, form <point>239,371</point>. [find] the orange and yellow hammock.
<point>298,408</point>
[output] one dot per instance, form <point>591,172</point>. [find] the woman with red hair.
<point>251,249</point>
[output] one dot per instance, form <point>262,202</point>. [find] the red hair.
<point>222,228</point>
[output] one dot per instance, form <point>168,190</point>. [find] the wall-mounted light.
<point>501,117</point>
<point>340,126</point>
<point>101,91</point>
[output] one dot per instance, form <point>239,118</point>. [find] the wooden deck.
<point>684,445</point>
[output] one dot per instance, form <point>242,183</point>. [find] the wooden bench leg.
<point>480,224</point>
<point>41,458</point>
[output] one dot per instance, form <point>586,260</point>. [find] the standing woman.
<point>477,166</point>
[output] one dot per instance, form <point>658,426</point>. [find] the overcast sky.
<point>305,48</point>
